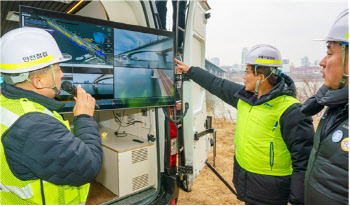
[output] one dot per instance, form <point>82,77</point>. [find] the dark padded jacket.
<point>38,146</point>
<point>297,132</point>
<point>327,175</point>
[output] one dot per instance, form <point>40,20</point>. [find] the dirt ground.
<point>208,188</point>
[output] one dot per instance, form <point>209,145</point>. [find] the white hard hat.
<point>339,31</point>
<point>264,55</point>
<point>28,49</point>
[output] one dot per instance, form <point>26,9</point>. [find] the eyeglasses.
<point>249,71</point>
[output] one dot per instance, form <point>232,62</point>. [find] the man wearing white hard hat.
<point>273,138</point>
<point>42,161</point>
<point>327,176</point>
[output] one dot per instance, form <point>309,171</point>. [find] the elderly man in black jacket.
<point>327,176</point>
<point>42,161</point>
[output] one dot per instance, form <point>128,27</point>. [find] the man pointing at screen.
<point>42,161</point>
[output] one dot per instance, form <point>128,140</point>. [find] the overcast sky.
<point>289,25</point>
<point>128,40</point>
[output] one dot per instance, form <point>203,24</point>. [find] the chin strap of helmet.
<point>255,96</point>
<point>57,92</point>
<point>345,76</point>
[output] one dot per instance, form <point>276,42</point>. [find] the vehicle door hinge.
<point>181,77</point>
<point>184,169</point>
<point>198,135</point>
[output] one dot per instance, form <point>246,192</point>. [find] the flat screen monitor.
<point>120,65</point>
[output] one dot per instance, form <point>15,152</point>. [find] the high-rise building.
<point>244,54</point>
<point>305,61</point>
<point>285,61</point>
<point>316,63</point>
<point>216,61</point>
<point>285,66</point>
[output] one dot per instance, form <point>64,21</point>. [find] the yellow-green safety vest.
<point>17,192</point>
<point>260,147</point>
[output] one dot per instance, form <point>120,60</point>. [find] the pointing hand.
<point>181,67</point>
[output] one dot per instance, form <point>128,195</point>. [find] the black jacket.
<point>327,176</point>
<point>38,146</point>
<point>297,132</point>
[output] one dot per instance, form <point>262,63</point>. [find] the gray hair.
<point>16,78</point>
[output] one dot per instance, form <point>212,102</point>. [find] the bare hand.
<point>84,103</point>
<point>178,106</point>
<point>181,67</point>
<point>289,204</point>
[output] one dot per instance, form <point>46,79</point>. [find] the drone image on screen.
<point>144,64</point>
<point>77,40</point>
<point>120,65</point>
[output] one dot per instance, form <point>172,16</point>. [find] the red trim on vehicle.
<point>173,137</point>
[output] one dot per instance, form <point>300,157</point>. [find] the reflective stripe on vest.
<point>260,147</point>
<point>24,192</point>
<point>16,192</point>
<point>7,117</point>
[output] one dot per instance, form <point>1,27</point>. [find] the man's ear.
<point>38,82</point>
<point>261,77</point>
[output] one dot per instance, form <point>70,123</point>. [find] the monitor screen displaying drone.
<point>120,65</point>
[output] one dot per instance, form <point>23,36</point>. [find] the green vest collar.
<point>13,92</point>
<point>285,86</point>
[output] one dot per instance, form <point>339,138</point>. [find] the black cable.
<point>121,121</point>
<point>180,119</point>
<point>123,134</point>
<point>115,116</point>
<point>120,124</point>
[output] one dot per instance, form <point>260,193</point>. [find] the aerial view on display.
<point>143,64</point>
<point>87,43</point>
<point>121,66</point>
<point>97,82</point>
<point>91,48</point>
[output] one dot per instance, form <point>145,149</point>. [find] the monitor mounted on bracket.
<point>120,65</point>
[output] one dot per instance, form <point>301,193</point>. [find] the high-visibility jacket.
<point>260,147</point>
<point>14,191</point>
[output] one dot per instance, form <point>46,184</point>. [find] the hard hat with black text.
<point>267,56</point>
<point>28,49</point>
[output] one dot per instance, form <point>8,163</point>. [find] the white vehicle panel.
<point>196,151</point>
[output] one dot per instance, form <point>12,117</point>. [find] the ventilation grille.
<point>139,155</point>
<point>139,182</point>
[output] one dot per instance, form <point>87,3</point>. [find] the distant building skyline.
<point>306,69</point>
<point>215,60</point>
<point>316,63</point>
<point>235,25</point>
<point>306,65</point>
<point>285,66</point>
<point>244,54</point>
<point>285,61</point>
<point>305,61</point>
